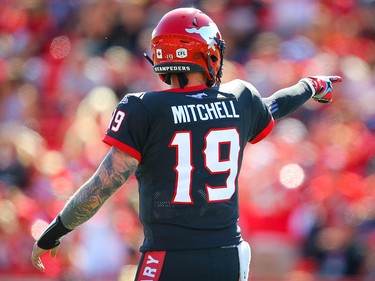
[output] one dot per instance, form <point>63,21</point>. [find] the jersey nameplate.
<point>203,112</point>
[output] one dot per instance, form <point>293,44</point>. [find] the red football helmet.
<point>187,40</point>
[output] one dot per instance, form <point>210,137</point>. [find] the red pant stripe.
<point>151,266</point>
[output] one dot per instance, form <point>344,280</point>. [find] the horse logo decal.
<point>208,33</point>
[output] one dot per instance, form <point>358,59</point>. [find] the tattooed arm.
<point>112,173</point>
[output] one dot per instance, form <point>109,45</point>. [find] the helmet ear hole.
<point>214,58</point>
<point>195,22</point>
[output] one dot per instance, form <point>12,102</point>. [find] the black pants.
<point>216,264</point>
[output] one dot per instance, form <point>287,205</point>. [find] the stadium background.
<point>307,191</point>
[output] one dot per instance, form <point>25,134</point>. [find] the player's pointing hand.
<point>322,87</point>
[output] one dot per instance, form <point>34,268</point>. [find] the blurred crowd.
<point>307,192</point>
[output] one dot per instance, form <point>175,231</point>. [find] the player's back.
<point>191,145</point>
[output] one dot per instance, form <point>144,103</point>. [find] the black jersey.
<point>190,144</point>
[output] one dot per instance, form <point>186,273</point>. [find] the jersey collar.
<point>188,89</point>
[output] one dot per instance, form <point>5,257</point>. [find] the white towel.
<point>244,255</point>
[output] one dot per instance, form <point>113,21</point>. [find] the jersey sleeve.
<point>286,101</point>
<point>127,130</point>
<point>261,117</point>
<point>264,120</point>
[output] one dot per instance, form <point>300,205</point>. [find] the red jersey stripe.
<point>122,146</point>
<point>265,132</point>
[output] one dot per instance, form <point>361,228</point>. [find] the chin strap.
<point>182,80</point>
<point>148,58</point>
<point>222,46</point>
<point>210,82</point>
<point>216,77</point>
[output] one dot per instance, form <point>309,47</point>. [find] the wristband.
<point>310,84</point>
<point>51,237</point>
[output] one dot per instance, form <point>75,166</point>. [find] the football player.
<point>185,146</point>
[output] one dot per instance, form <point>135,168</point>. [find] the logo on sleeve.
<point>124,100</point>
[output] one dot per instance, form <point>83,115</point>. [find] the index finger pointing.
<point>335,78</point>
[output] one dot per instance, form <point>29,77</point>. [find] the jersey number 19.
<point>213,162</point>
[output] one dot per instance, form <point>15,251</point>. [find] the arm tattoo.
<point>112,173</point>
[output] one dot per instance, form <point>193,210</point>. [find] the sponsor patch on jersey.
<point>181,53</point>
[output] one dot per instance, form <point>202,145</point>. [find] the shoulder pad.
<point>238,85</point>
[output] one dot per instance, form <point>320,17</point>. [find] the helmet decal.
<point>159,53</point>
<point>181,53</point>
<point>208,33</point>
